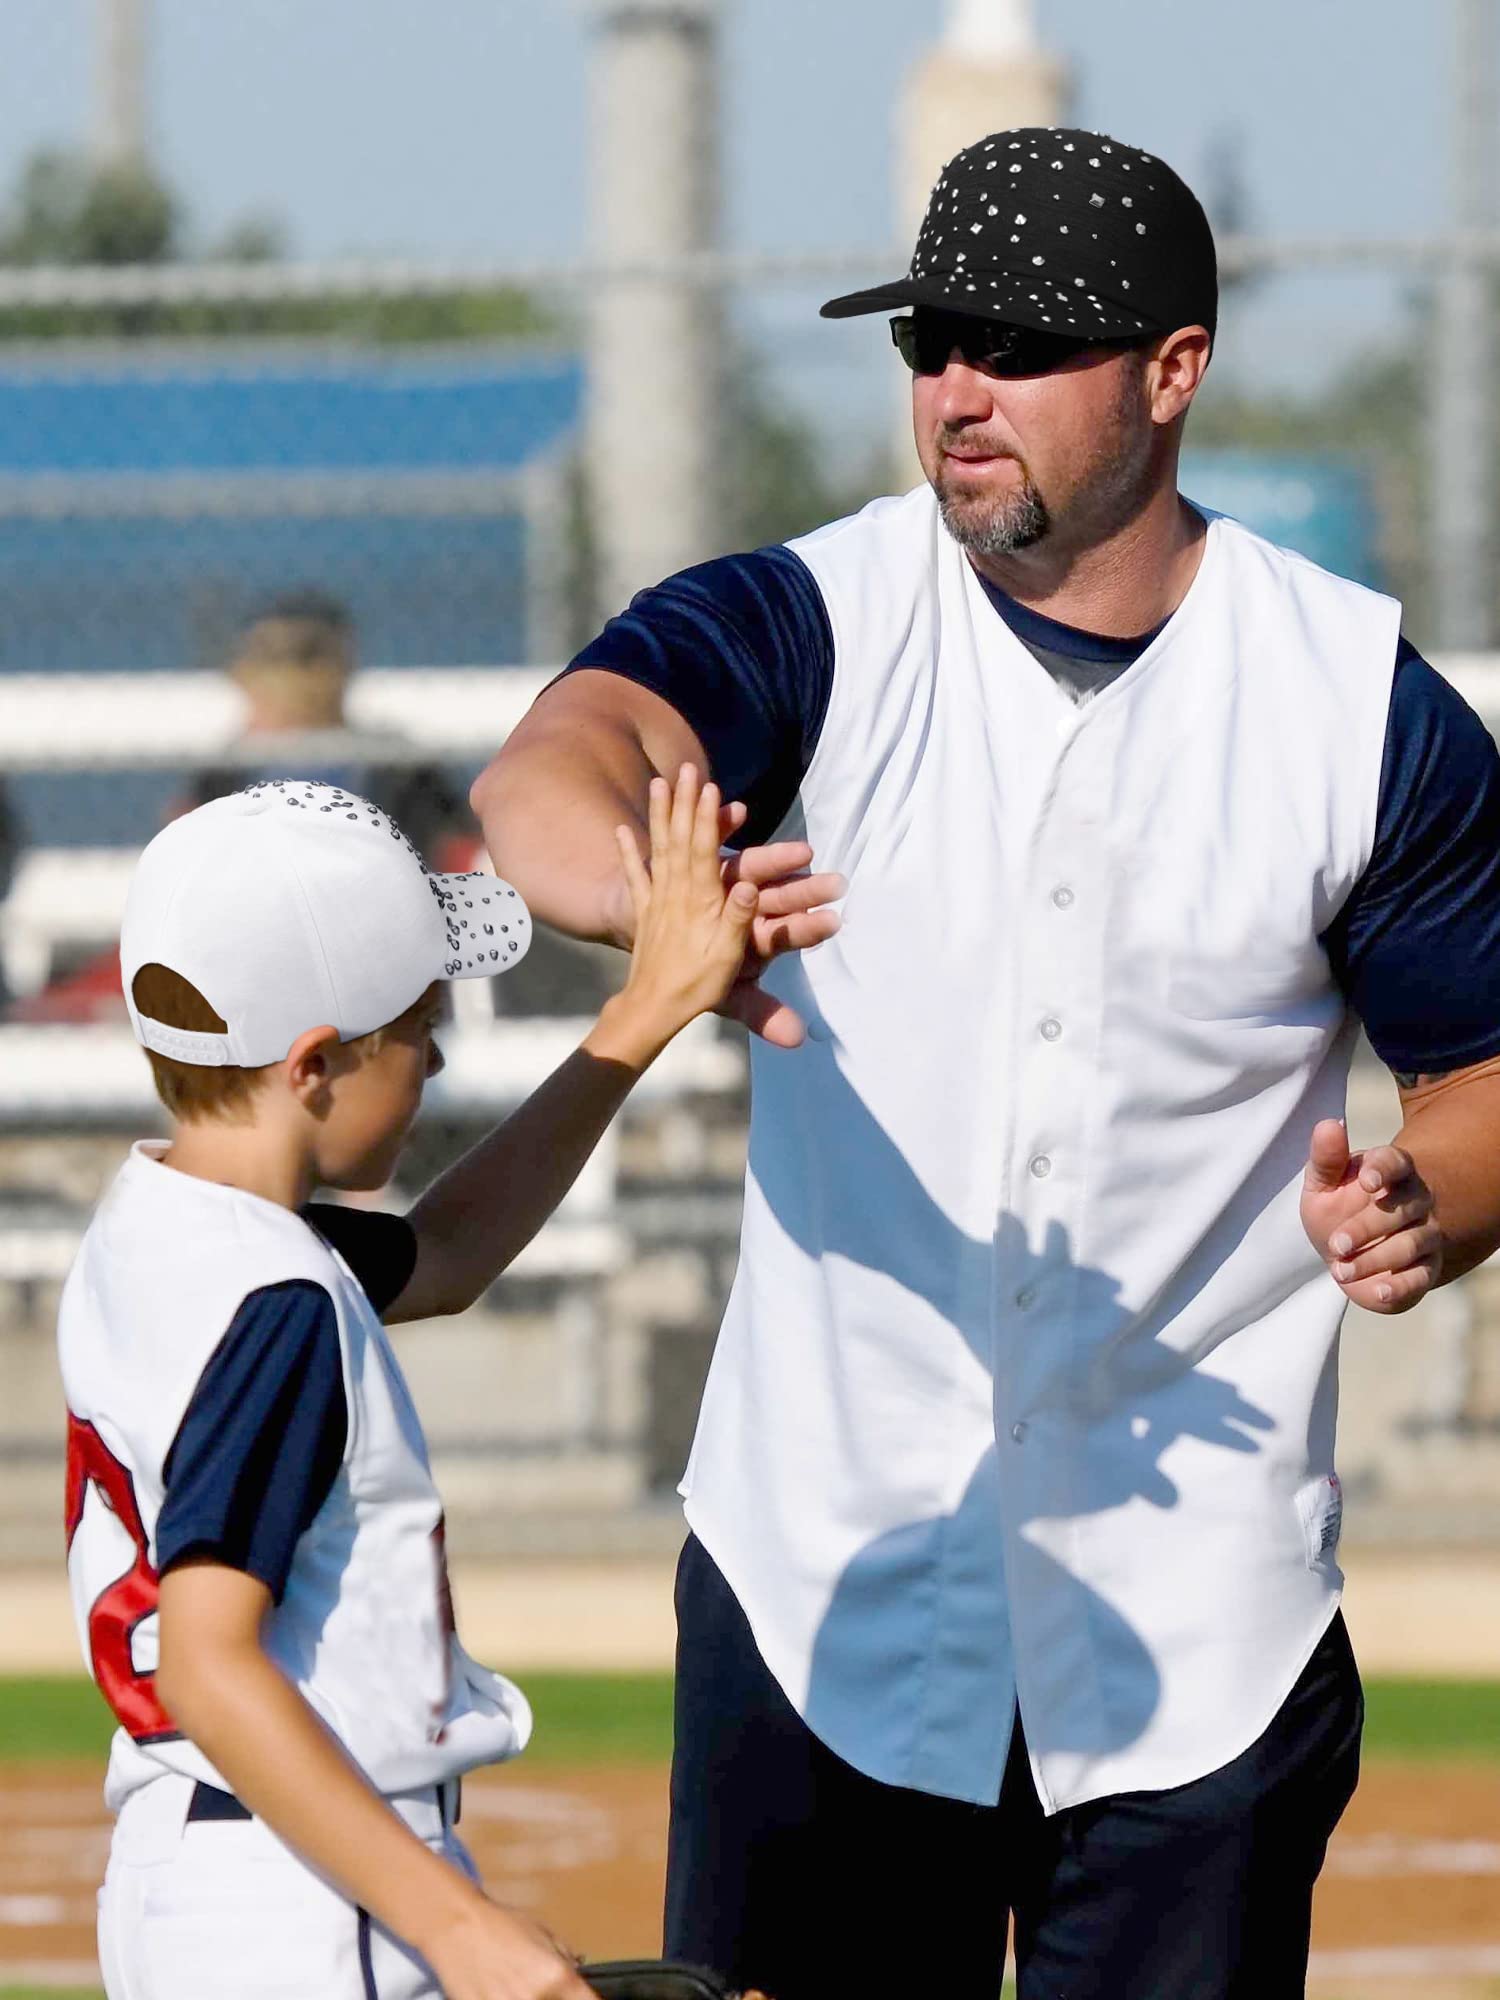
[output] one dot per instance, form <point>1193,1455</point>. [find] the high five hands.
<point>791,914</point>
<point>1370,1217</point>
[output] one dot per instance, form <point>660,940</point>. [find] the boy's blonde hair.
<point>191,1091</point>
<point>195,1091</point>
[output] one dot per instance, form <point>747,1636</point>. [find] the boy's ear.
<point>311,1061</point>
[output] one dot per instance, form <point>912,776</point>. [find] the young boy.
<point>254,1539</point>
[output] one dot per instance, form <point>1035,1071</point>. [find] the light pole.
<point>120,121</point>
<point>1463,441</point>
<point>653,464</point>
<point>988,71</point>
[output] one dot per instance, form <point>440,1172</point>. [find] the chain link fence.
<point>334,519</point>
<point>387,538</point>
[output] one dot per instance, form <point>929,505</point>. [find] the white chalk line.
<point>1408,1961</point>
<point>1389,1854</point>
<point>50,1972</point>
<point>560,1830</point>
<point>41,1911</point>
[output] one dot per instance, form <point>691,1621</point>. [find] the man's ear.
<point>311,1063</point>
<point>1181,362</point>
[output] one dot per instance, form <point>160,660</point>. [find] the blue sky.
<point>458,127</point>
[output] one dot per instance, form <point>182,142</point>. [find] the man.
<point>293,661</point>
<point>1011,1598</point>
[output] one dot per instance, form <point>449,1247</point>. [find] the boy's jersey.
<point>361,1621</point>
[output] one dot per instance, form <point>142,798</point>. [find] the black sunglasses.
<point>926,341</point>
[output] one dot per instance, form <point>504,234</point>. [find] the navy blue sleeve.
<point>1416,948</point>
<point>262,1440</point>
<point>742,648</point>
<point>380,1249</point>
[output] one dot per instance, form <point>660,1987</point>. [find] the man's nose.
<point>964,394</point>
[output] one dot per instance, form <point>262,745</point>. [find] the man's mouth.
<point>973,453</point>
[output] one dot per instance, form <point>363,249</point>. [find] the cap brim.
<point>878,298</point>
<point>489,926</point>
<point>1006,296</point>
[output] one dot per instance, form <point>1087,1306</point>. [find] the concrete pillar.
<point>652,464</point>
<point>988,72</point>
<point>1461,465</point>
<point>120,137</point>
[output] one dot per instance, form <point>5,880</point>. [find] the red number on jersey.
<point>131,1598</point>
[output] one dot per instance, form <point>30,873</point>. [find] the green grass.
<point>50,1993</point>
<point>1450,1721</point>
<point>57,1716</point>
<point>581,1719</point>
<point>600,1718</point>
<point>627,1718</point>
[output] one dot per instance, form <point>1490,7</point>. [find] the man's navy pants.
<point>791,1871</point>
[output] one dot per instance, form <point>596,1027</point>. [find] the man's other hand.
<point>1370,1217</point>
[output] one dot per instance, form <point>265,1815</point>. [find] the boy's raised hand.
<point>691,929</point>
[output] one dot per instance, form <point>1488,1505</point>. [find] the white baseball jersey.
<point>1026,1386</point>
<point>362,1625</point>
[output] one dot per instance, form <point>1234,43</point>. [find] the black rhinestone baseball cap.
<point>1065,231</point>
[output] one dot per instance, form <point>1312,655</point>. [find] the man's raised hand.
<point>792,913</point>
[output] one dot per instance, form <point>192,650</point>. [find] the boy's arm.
<point>689,941</point>
<point>283,1764</point>
<point>477,1217</point>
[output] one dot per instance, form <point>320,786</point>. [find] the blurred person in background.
<point>293,662</point>
<point>12,841</point>
<point>1010,1601</point>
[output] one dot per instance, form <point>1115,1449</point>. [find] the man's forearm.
<point>1452,1132</point>
<point>575,768</point>
<point>549,812</point>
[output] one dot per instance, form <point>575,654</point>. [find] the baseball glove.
<point>657,1979</point>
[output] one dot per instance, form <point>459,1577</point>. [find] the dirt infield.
<point>1410,1902</point>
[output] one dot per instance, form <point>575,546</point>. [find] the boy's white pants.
<point>221,1910</point>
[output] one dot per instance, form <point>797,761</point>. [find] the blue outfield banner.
<point>151,496</point>
<point>1320,505</point>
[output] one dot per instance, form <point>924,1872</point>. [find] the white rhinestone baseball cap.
<point>296,904</point>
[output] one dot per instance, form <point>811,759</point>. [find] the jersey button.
<point>1041,1166</point>
<point>1062,896</point>
<point>1018,1432</point>
<point>1026,1298</point>
<point>1050,1030</point>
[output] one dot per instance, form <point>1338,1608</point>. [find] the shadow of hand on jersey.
<point>1097,1417</point>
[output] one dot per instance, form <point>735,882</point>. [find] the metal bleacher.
<point>67,901</point>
